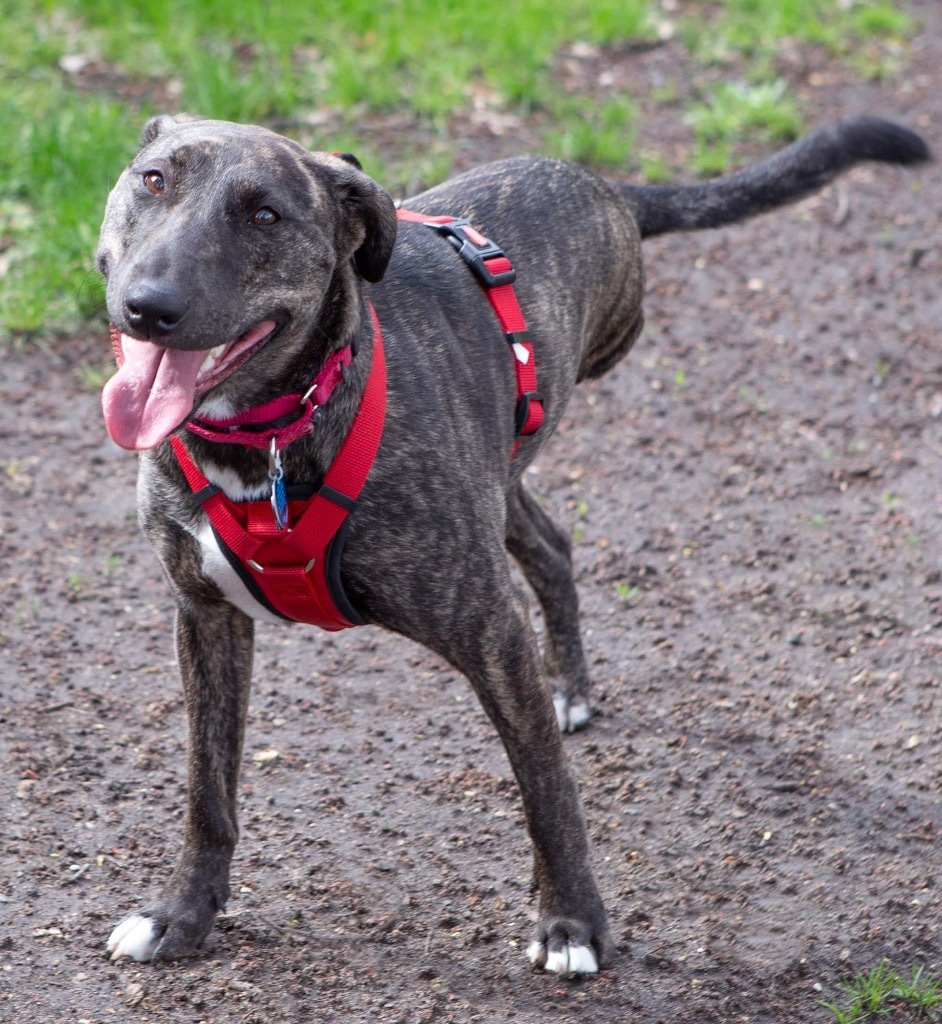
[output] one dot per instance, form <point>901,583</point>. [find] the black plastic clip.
<point>198,498</point>
<point>523,412</point>
<point>476,251</point>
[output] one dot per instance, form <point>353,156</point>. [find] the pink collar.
<point>226,430</point>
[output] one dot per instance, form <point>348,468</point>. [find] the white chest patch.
<point>216,567</point>
<point>232,485</point>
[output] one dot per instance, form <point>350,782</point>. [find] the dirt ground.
<point>755,495</point>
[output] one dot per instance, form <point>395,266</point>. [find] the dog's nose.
<point>154,309</point>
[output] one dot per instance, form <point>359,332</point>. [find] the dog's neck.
<point>241,471</point>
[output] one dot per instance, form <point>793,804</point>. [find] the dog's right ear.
<point>163,123</point>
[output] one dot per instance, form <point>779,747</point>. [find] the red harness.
<point>496,275</point>
<point>294,570</point>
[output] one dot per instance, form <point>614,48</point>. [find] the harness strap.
<point>496,275</point>
<point>294,571</point>
<point>290,567</point>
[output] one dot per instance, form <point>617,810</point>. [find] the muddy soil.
<point>755,498</point>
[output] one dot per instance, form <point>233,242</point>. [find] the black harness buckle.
<point>523,413</point>
<point>197,498</point>
<point>476,251</point>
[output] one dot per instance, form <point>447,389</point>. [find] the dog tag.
<point>279,493</point>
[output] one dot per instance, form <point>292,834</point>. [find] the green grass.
<point>591,132</point>
<point>56,167</point>
<point>265,59</point>
<point>327,75</point>
<point>755,28</point>
<point>865,32</point>
<point>284,63</point>
<point>734,112</point>
<point>882,991</point>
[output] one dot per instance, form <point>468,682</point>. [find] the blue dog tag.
<point>279,493</point>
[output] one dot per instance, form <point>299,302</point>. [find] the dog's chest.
<point>216,566</point>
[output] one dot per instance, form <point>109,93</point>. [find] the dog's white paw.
<point>571,715</point>
<point>137,937</point>
<point>571,959</point>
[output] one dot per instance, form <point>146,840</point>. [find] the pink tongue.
<point>151,394</point>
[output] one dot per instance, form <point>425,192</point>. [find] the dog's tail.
<point>794,172</point>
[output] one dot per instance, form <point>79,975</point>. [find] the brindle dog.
<point>233,239</point>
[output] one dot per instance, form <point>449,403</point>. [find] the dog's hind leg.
<point>544,553</point>
<point>214,646</point>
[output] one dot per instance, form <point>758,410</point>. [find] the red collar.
<point>226,431</point>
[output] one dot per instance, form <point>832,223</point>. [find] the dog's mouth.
<point>156,387</point>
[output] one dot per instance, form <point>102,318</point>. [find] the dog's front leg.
<point>214,646</point>
<point>572,935</point>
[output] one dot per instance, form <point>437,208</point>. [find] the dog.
<point>240,267</point>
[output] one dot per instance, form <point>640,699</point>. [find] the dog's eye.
<point>265,217</point>
<point>154,182</point>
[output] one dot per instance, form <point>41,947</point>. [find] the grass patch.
<point>882,991</point>
<point>591,132</point>
<point>736,111</point>
<point>868,34</point>
<point>312,74</point>
<point>56,169</point>
<point>755,28</point>
<point>267,58</point>
<point>79,77</point>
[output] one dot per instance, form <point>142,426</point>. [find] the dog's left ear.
<point>371,219</point>
<point>349,158</point>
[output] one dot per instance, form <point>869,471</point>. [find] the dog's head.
<point>220,240</point>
